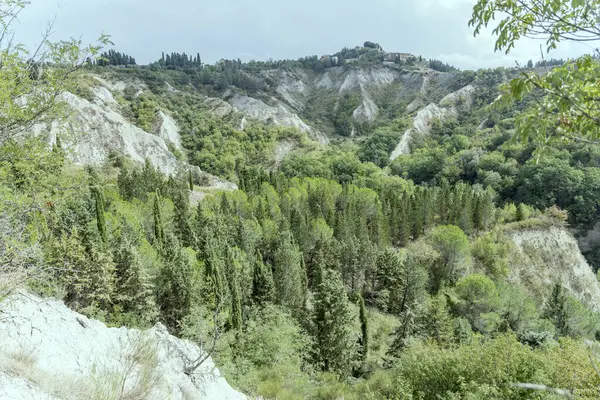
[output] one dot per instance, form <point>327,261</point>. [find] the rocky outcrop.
<point>96,129</point>
<point>343,79</point>
<point>277,114</point>
<point>542,257</point>
<point>219,107</point>
<point>167,129</point>
<point>293,88</point>
<point>367,111</point>
<point>447,108</point>
<point>48,351</point>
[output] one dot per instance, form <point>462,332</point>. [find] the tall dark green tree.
<point>135,291</point>
<point>234,270</point>
<point>408,327</point>
<point>364,328</point>
<point>287,273</point>
<point>437,322</point>
<point>556,311</point>
<point>263,287</point>
<point>125,183</point>
<point>100,221</point>
<point>333,320</point>
<point>181,219</point>
<point>174,284</point>
<point>159,230</point>
<point>520,214</point>
<point>191,180</point>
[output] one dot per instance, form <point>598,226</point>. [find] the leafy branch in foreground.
<point>31,83</point>
<point>552,20</point>
<point>566,103</point>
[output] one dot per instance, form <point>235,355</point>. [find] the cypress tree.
<point>408,289</point>
<point>69,253</point>
<point>438,322</point>
<point>58,149</point>
<point>103,278</point>
<point>304,281</point>
<point>101,223</point>
<point>151,179</point>
<point>332,320</point>
<point>465,221</point>
<point>349,259</point>
<point>520,214</point>
<point>234,288</point>
<point>388,269</point>
<point>444,203</point>
<point>555,310</point>
<point>404,227</point>
<point>214,266</point>
<point>478,213</point>
<point>287,274</point>
<point>407,328</point>
<point>263,287</point>
<point>174,285</point>
<point>364,328</point>
<point>201,226</point>
<point>236,303</point>
<point>416,212</point>
<point>135,290</point>
<point>427,199</point>
<point>159,233</point>
<point>191,180</point>
<point>125,184</point>
<point>181,219</point>
<point>488,208</point>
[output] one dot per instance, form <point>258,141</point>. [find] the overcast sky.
<point>278,29</point>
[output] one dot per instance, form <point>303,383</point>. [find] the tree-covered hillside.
<point>332,271</point>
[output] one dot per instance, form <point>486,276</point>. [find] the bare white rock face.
<point>94,130</point>
<point>447,108</point>
<point>343,80</point>
<point>167,129</point>
<point>542,257</point>
<point>48,351</point>
<point>278,114</point>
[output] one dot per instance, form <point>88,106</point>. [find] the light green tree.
<point>453,245</point>
<point>477,295</point>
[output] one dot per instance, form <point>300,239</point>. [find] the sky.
<point>278,29</point>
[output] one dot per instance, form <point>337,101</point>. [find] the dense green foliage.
<point>332,272</point>
<point>115,58</point>
<point>286,258</point>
